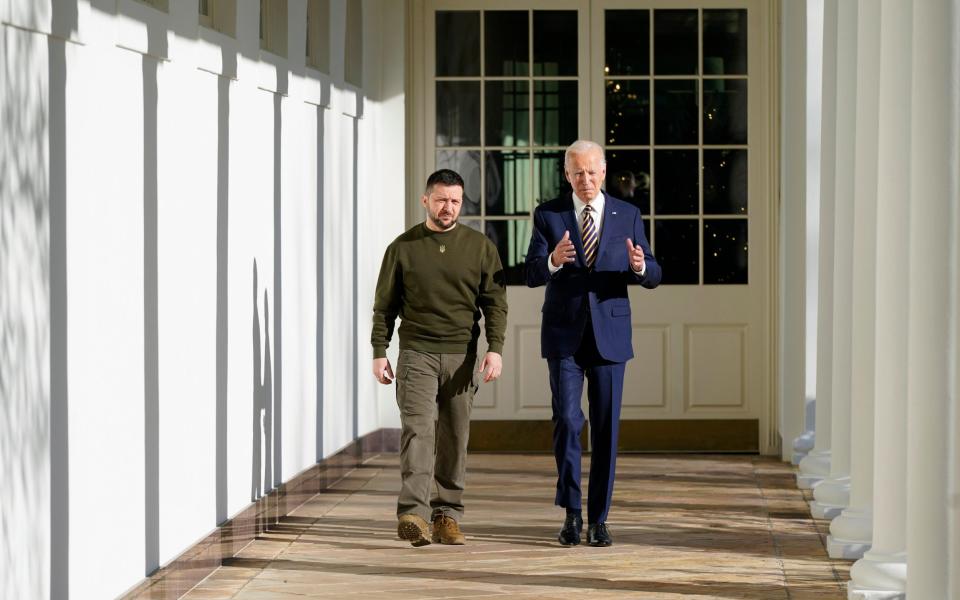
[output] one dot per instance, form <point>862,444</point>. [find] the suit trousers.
<point>604,393</point>
<point>435,395</point>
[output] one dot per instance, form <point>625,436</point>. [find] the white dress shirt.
<point>597,208</point>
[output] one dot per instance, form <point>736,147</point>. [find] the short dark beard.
<point>439,225</point>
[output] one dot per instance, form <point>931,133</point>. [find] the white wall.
<point>188,161</point>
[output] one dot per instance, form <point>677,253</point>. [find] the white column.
<point>953,530</point>
<point>833,494</point>
<point>882,572</point>
<point>816,465</point>
<point>793,222</point>
<point>851,532</point>
<point>804,443</point>
<point>932,167</point>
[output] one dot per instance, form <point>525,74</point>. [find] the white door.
<point>681,95</point>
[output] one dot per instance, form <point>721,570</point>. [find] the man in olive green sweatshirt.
<point>438,277</point>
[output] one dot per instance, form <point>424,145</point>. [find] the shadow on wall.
<point>261,476</point>
<point>32,87</point>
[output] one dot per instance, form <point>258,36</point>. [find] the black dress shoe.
<point>598,535</point>
<point>570,532</point>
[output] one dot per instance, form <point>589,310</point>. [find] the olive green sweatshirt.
<point>439,283</point>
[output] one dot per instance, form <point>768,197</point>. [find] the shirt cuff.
<point>550,266</point>
<point>642,271</point>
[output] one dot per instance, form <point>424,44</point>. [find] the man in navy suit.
<point>586,248</point>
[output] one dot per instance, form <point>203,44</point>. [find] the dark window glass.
<point>724,111</point>
<point>508,183</point>
<point>725,251</point>
<point>555,42</point>
<point>724,182</point>
<point>458,43</point>
<point>628,112</point>
<point>646,230</point>
<point>676,112</point>
<point>467,164</point>
<point>725,42</point>
<point>507,48</point>
<point>508,113</point>
<point>458,113</point>
<point>676,182</point>
<point>628,177</point>
<point>549,181</point>
<point>555,113</point>
<point>677,248</point>
<point>675,44</point>
<point>511,238</point>
<point>627,42</point>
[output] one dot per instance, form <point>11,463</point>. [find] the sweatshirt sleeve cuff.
<point>495,347</point>
<point>379,351</point>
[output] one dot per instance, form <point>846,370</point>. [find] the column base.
<point>878,576</point>
<point>845,549</point>
<point>814,467</point>
<point>854,524</point>
<point>831,496</point>
<point>860,594</point>
<point>802,446</point>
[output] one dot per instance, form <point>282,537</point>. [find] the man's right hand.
<point>382,371</point>
<point>564,252</point>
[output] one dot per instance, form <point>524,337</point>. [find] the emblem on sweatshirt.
<point>443,248</point>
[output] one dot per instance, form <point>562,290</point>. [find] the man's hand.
<point>382,371</point>
<point>635,256</point>
<point>564,252</point>
<point>493,364</point>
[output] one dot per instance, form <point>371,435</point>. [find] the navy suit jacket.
<point>574,289</point>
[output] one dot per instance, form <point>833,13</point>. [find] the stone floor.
<point>684,526</point>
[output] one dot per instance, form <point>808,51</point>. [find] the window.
<point>675,131</point>
<point>510,151</point>
<point>353,51</point>
<point>318,41</point>
<point>273,26</point>
<point>219,15</point>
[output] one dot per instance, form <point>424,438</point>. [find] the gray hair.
<point>582,147</point>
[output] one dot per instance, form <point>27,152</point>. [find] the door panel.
<point>681,95</point>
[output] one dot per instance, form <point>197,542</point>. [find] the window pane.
<point>725,42</point>
<point>725,251</point>
<point>628,112</point>
<point>628,42</point>
<point>724,111</point>
<point>458,43</point>
<point>628,177</point>
<point>458,113</point>
<point>508,113</point>
<point>473,224</point>
<point>507,48</point>
<point>675,44</point>
<point>555,42</point>
<point>675,120</point>
<point>511,239</point>
<point>724,182</point>
<point>549,181</point>
<point>508,183</point>
<point>677,248</point>
<point>555,113</point>
<point>467,164</point>
<point>676,182</point>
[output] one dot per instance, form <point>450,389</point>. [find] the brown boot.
<point>447,531</point>
<point>413,529</point>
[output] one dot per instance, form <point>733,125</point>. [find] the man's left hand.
<point>491,366</point>
<point>635,256</point>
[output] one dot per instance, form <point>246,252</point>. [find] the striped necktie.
<point>589,236</point>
